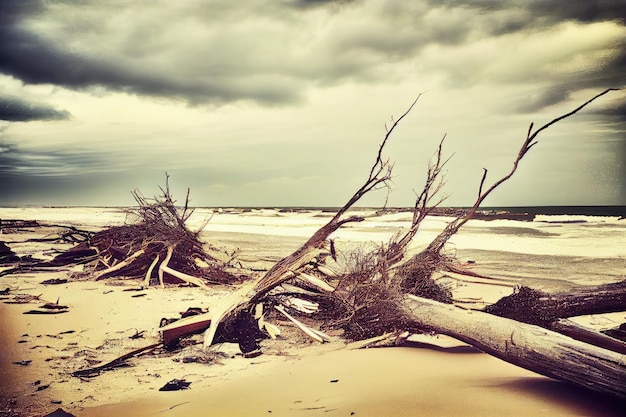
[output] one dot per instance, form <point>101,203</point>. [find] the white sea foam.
<point>586,236</point>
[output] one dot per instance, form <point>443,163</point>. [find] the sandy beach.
<point>295,376</point>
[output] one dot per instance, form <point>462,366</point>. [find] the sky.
<point>285,102</point>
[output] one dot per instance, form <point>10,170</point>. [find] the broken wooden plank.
<point>185,326</point>
<point>309,331</point>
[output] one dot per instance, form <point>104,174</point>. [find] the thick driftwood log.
<point>531,347</point>
<point>536,307</point>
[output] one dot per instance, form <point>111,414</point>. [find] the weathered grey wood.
<point>531,347</point>
<point>537,307</point>
<point>584,334</point>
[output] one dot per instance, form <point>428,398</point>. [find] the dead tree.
<point>423,264</point>
<point>549,353</point>
<point>531,347</point>
<point>525,345</point>
<point>287,268</point>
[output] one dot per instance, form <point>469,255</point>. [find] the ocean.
<point>567,245</point>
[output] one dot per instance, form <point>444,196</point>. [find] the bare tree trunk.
<point>531,347</point>
<point>536,307</point>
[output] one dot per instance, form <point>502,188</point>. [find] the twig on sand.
<point>174,406</point>
<point>115,363</point>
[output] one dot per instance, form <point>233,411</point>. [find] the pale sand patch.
<point>372,382</point>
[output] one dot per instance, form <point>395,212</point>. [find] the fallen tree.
<point>531,347</point>
<point>158,245</point>
<point>366,302</point>
<point>551,311</point>
<point>389,258</point>
<point>538,349</point>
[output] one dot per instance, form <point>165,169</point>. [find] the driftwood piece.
<point>115,363</point>
<point>7,256</point>
<point>180,275</point>
<point>531,347</point>
<point>309,331</point>
<point>166,261</point>
<point>540,308</point>
<point>185,326</point>
<point>103,274</point>
<point>45,311</point>
<point>146,281</point>
<point>618,332</point>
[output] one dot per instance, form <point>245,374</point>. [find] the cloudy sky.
<point>284,102</point>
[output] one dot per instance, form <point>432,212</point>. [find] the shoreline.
<point>294,376</point>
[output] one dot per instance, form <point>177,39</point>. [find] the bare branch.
<point>432,187</point>
<point>482,182</point>
<point>576,110</point>
<point>453,226</point>
<point>379,176</point>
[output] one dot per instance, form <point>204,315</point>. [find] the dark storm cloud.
<point>542,12</point>
<point>15,110</point>
<point>36,60</point>
<point>44,177</point>
<point>498,18</point>
<point>218,53</point>
<point>14,161</point>
<point>258,53</point>
<point>544,99</point>
<point>32,172</point>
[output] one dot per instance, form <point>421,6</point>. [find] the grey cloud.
<point>215,53</point>
<point>583,11</point>
<point>85,189</point>
<point>14,109</point>
<point>617,109</point>
<point>541,12</point>
<point>245,55</point>
<point>49,177</point>
<point>316,3</point>
<point>45,161</point>
<point>496,18</point>
<point>36,60</point>
<point>612,114</point>
<point>606,74</point>
<point>543,99</point>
